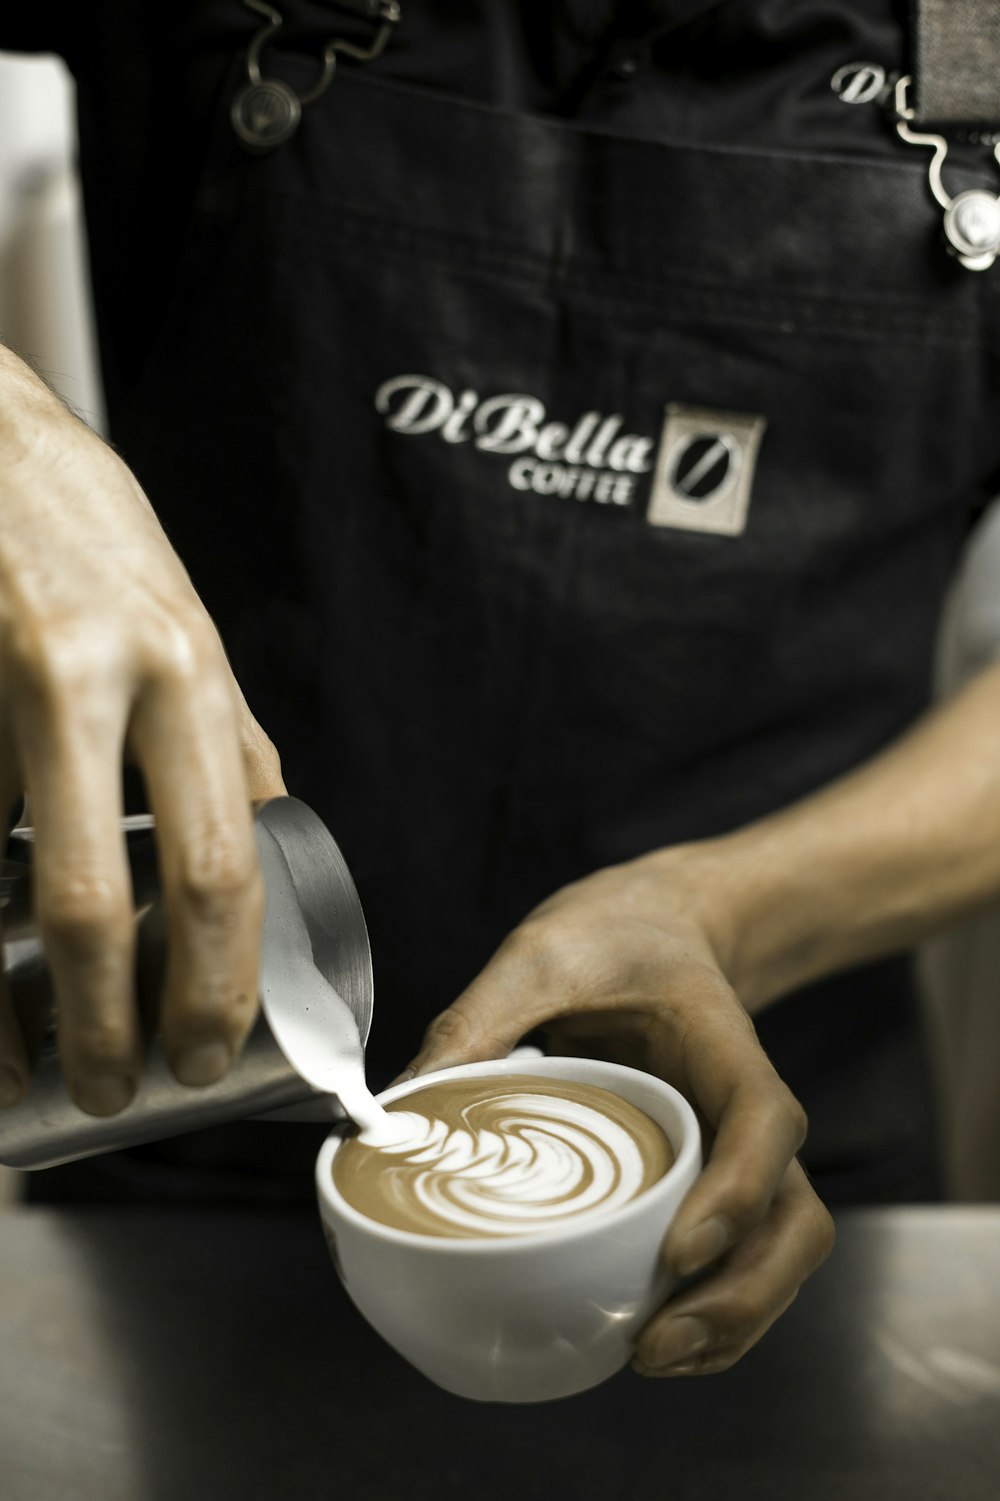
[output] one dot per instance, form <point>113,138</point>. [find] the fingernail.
<point>204,1064</point>
<point>104,1094</point>
<point>702,1245</point>
<point>691,1369</point>
<point>11,1086</point>
<point>403,1078</point>
<point>682,1338</point>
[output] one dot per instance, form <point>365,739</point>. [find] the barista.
<point>353,374</point>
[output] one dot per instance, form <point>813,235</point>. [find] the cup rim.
<point>688,1156</point>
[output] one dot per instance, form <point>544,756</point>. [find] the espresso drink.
<point>502,1156</point>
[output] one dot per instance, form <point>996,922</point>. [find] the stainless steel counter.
<point>154,1356</point>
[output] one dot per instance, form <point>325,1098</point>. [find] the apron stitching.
<point>749,310</point>
<point>685,307</point>
<point>672,277</point>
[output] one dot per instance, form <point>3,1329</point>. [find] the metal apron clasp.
<point>267,111</point>
<point>972,218</point>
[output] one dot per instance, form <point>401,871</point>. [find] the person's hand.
<point>624,965</point>
<point>107,655</point>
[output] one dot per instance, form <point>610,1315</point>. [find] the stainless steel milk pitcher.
<point>315,992</point>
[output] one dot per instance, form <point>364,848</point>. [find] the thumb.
<point>260,759</point>
<point>462,1034</point>
<point>488,1018</point>
<point>524,986</point>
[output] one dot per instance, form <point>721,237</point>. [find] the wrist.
<point>705,885</point>
<point>760,921</point>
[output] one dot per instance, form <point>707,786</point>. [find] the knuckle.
<point>83,910</point>
<point>798,1120</point>
<point>100,1046</point>
<point>181,663</point>
<point>746,1201</point>
<point>460,1034</point>
<point>218,878</point>
<point>778,1110</point>
<point>59,657</point>
<point>179,644</point>
<point>450,1028</point>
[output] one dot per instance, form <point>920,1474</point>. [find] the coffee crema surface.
<point>498,1157</point>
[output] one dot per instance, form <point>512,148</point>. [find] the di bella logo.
<point>702,469</point>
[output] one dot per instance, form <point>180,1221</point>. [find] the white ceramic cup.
<point>519,1318</point>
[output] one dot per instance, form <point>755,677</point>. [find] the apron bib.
<point>407,423</point>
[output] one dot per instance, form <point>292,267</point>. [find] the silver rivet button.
<point>265,114</point>
<point>972,222</point>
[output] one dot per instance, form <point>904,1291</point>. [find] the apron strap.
<point>956,63</point>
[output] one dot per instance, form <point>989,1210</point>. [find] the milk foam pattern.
<point>520,1160</point>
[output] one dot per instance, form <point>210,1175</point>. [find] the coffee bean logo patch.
<point>704,466</point>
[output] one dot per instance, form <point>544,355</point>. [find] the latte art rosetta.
<point>481,1157</point>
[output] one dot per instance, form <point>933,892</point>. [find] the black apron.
<point>483,663</point>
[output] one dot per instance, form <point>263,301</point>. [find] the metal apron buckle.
<point>971,218</point>
<point>266,111</point>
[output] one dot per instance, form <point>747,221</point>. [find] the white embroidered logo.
<point>592,460</point>
<point>704,464</point>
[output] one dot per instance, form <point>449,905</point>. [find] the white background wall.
<point>44,309</point>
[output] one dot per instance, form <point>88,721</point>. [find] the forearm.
<point>905,845</point>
